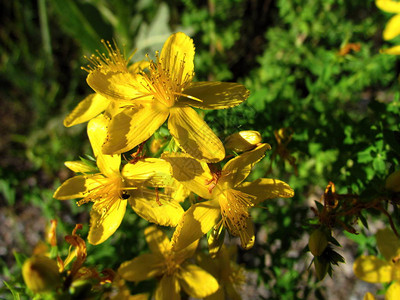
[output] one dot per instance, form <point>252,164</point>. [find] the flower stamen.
<point>105,193</point>
<point>114,60</point>
<point>235,210</point>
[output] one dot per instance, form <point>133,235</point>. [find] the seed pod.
<point>393,181</point>
<point>243,140</point>
<point>318,242</point>
<point>41,274</point>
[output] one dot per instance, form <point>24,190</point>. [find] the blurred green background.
<point>311,65</point>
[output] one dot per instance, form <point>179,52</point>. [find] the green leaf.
<point>363,220</point>
<point>8,192</point>
<point>379,164</point>
<point>75,23</point>
<point>12,290</point>
<point>20,258</point>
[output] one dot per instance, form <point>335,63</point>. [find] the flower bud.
<point>156,145</point>
<point>41,274</point>
<point>393,181</point>
<point>368,296</point>
<point>318,242</point>
<point>321,267</point>
<point>243,140</point>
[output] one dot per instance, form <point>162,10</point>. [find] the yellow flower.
<point>229,274</point>
<point>95,104</point>
<point>41,274</point>
<point>170,267</point>
<point>230,197</point>
<point>373,269</point>
<point>166,91</point>
<point>392,28</point>
<point>109,189</point>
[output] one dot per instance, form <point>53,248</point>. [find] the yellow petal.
<point>266,188</point>
<point>87,109</point>
<point>76,187</point>
<point>143,267</point>
<point>157,240</point>
<point>194,136</point>
<point>133,126</point>
<point>177,191</point>
<point>392,51</point>
<point>215,240</point>
<point>178,51</point>
<point>393,292</point>
<point>237,169</point>
<point>103,226</point>
<point>153,172</point>
<point>372,269</point>
<point>218,295</point>
<point>97,132</point>
<point>368,296</point>
<point>145,203</point>
<point>196,282</point>
<point>388,6</point>
<point>168,288</point>
<point>79,167</point>
<point>210,265</point>
<point>392,28</point>
<point>388,244</point>
<point>396,271</point>
<point>114,85</point>
<point>232,292</point>
<point>215,94</point>
<point>138,66</point>
<point>196,222</point>
<point>247,235</point>
<point>225,256</point>
<point>193,174</point>
<point>186,252</point>
<point>115,108</point>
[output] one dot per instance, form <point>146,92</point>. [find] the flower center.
<point>104,192</point>
<point>171,264</point>
<point>164,86</point>
<point>235,210</point>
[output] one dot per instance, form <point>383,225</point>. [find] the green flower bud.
<point>41,274</point>
<point>393,181</point>
<point>318,242</point>
<point>243,140</point>
<point>321,267</point>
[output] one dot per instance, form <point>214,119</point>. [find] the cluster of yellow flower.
<point>373,269</point>
<point>392,28</point>
<point>129,105</point>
